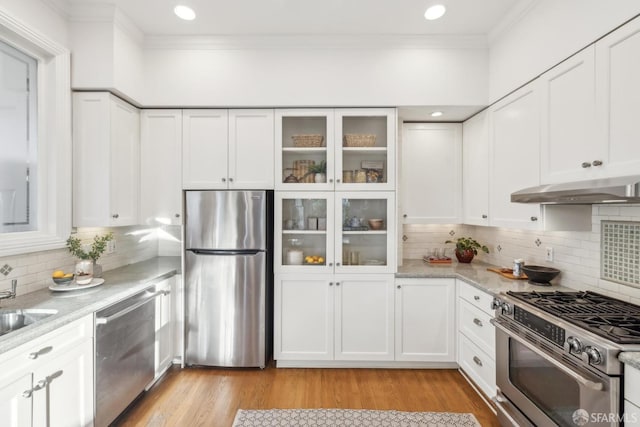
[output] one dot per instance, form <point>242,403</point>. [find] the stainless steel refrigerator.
<point>228,278</point>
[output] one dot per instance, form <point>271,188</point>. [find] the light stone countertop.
<point>119,284</point>
<point>631,358</point>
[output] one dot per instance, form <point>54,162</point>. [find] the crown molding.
<point>515,15</point>
<point>104,13</point>
<point>320,41</point>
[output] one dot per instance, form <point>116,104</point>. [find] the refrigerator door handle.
<point>230,252</point>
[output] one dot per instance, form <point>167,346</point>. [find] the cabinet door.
<point>617,95</point>
<point>568,140</point>
<point>365,149</point>
<point>125,164</point>
<point>303,321</point>
<point>422,334</point>
<point>161,167</point>
<point>431,173</point>
<point>475,170</point>
<point>251,149</point>
<point>205,149</point>
<point>514,158</point>
<point>304,232</point>
<point>164,327</point>
<point>303,138</point>
<point>15,406</point>
<point>67,398</point>
<point>364,232</point>
<point>364,317</point>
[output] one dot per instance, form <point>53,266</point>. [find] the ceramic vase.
<point>464,256</point>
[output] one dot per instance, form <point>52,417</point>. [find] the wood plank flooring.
<point>210,397</point>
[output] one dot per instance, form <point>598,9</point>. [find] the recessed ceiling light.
<point>184,12</point>
<point>436,114</point>
<point>434,12</point>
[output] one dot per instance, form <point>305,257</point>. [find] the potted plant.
<point>467,248</point>
<point>319,171</point>
<point>96,250</point>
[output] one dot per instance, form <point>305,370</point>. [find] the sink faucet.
<point>12,293</point>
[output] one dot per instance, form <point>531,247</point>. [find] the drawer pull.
<point>477,361</point>
<point>476,297</point>
<point>477,322</point>
<point>40,352</point>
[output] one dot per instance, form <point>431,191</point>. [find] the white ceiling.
<point>314,17</point>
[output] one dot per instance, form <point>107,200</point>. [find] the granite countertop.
<point>474,273</point>
<point>119,284</point>
<point>631,358</point>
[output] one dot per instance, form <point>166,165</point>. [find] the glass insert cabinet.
<point>335,149</point>
<point>327,232</point>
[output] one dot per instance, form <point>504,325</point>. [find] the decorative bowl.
<point>376,224</point>
<point>540,274</point>
<point>62,280</point>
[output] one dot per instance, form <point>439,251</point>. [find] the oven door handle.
<point>598,386</point>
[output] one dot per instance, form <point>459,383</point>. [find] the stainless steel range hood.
<point>606,190</point>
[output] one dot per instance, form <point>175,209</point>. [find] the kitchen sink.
<point>14,319</point>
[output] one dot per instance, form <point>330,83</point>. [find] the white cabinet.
<point>324,317</point>
<point>161,167</point>
<point>164,348</point>
<point>570,149</point>
<point>425,320</point>
<point>356,147</point>
<point>514,158</point>
<point>106,148</point>
<point>475,166</point>
<point>476,337</point>
<point>617,94</point>
<point>49,381</point>
<point>227,149</point>
<point>431,173</point>
<point>631,394</point>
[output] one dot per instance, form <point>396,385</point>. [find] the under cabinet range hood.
<point>606,190</point>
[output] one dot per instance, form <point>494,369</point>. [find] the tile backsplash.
<point>576,254</point>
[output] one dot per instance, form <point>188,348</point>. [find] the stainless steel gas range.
<point>556,357</point>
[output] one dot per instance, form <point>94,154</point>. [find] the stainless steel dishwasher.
<point>125,340</point>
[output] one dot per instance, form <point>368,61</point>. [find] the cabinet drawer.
<point>632,384</point>
<point>475,296</point>
<point>477,365</point>
<point>475,324</point>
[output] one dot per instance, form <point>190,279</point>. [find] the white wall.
<point>551,31</point>
<point>315,77</point>
<point>41,16</point>
<point>92,56</point>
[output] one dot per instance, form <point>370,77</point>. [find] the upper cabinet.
<point>227,149</point>
<point>617,95</point>
<point>475,164</point>
<point>431,173</point>
<point>341,149</point>
<point>514,157</point>
<point>570,150</point>
<point>106,147</point>
<point>160,167</point>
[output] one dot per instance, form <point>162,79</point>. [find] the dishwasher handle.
<point>129,309</point>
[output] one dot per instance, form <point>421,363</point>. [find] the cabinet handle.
<point>40,352</point>
<point>338,181</point>
<point>41,384</point>
<point>337,283</point>
<point>534,218</point>
<point>330,180</point>
<point>177,215</point>
<point>477,322</point>
<point>330,283</point>
<point>224,179</point>
<point>477,360</point>
<point>330,264</point>
<point>597,163</point>
<point>230,179</point>
<point>586,165</point>
<point>484,216</point>
<point>476,297</point>
<point>337,264</point>
<point>398,286</point>
<point>27,393</point>
<point>404,216</point>
<point>115,216</point>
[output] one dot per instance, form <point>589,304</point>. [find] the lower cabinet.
<point>631,394</point>
<point>164,348</point>
<point>49,381</point>
<point>425,320</point>
<point>333,317</point>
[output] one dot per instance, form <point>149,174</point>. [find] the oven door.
<point>548,390</point>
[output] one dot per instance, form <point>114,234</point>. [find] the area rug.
<point>349,418</point>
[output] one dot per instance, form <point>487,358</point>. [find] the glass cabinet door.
<point>364,232</point>
<point>305,150</point>
<point>365,149</point>
<point>304,232</point>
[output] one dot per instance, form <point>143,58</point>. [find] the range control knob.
<point>593,355</point>
<point>506,308</point>
<point>575,346</point>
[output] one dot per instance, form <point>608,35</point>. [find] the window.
<point>35,213</point>
<point>18,141</point>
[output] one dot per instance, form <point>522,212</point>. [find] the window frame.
<point>54,140</point>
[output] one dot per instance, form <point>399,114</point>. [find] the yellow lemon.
<point>58,274</point>
<point>320,260</point>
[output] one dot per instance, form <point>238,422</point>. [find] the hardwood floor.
<point>210,397</point>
